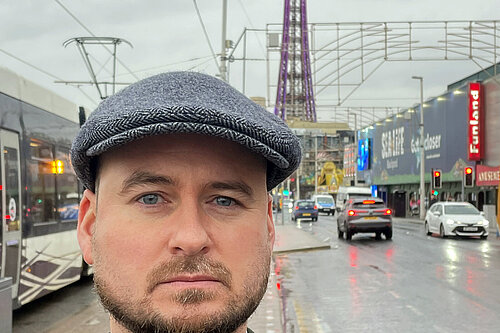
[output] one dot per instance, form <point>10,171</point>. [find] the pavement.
<point>268,318</point>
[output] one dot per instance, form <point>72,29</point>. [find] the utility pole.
<point>422,153</point>
<point>223,68</point>
<point>315,164</point>
<point>356,148</point>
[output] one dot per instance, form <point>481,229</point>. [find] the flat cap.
<point>185,102</point>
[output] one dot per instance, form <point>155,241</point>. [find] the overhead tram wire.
<point>93,35</point>
<point>209,57</point>
<point>206,36</point>
<point>251,24</point>
<point>47,73</point>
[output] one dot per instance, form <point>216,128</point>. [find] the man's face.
<point>180,234</point>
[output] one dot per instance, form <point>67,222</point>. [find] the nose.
<point>189,234</point>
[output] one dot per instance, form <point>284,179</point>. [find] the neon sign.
<point>475,121</point>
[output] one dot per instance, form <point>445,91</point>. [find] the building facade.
<point>460,130</point>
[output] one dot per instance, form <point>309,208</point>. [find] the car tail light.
<point>351,213</point>
<point>315,207</point>
<point>368,202</point>
<point>388,212</point>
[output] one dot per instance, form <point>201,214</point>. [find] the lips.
<point>191,278</point>
<point>191,281</point>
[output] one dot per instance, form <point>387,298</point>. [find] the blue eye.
<point>149,199</point>
<point>224,201</point>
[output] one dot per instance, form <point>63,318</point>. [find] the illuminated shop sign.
<point>475,146</point>
<point>364,151</point>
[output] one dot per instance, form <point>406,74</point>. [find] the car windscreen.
<point>325,200</point>
<point>460,210</point>
<point>303,204</point>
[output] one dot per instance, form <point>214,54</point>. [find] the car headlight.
<point>484,222</point>
<point>450,221</point>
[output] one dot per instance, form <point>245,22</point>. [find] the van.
<point>325,203</point>
<point>348,192</point>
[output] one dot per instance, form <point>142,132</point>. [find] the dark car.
<point>364,215</point>
<point>305,209</point>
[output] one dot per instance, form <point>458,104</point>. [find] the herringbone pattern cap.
<point>185,102</point>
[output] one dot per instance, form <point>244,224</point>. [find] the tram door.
<point>11,208</point>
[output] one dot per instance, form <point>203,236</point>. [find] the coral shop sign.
<point>487,176</point>
<point>475,146</point>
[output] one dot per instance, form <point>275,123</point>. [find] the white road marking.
<point>415,310</point>
<point>394,295</point>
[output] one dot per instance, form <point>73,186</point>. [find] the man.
<point>176,218</point>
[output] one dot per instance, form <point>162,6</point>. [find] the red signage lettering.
<point>487,176</point>
<point>475,146</point>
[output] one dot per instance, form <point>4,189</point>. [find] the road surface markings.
<point>415,310</point>
<point>439,329</point>
<point>394,295</point>
<point>308,321</point>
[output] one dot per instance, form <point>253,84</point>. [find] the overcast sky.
<point>167,35</point>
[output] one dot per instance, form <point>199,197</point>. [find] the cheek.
<point>245,244</point>
<point>124,246</point>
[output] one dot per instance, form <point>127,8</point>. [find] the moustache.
<point>199,265</point>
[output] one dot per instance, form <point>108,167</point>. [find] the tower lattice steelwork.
<point>295,96</point>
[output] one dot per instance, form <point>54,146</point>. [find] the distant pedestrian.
<point>176,218</point>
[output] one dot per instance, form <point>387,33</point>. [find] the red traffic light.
<point>437,173</point>
<point>468,171</point>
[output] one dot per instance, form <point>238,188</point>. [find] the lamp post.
<point>356,156</point>
<point>422,154</point>
<point>223,68</point>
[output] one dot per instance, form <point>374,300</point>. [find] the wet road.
<point>414,283</point>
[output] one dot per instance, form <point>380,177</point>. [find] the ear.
<point>270,222</point>
<point>86,221</point>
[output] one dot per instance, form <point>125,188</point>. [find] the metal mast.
<point>295,97</point>
<point>81,42</point>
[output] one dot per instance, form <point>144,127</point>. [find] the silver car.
<point>456,219</point>
<point>365,215</point>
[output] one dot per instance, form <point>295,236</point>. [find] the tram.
<point>39,190</point>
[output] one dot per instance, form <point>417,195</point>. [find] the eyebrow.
<point>139,178</point>
<point>234,186</point>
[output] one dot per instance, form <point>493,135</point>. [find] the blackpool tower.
<point>295,96</point>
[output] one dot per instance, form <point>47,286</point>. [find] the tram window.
<point>41,183</point>
<point>67,188</point>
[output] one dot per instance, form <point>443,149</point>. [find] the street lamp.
<point>355,145</point>
<point>422,154</point>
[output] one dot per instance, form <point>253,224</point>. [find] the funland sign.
<point>475,143</point>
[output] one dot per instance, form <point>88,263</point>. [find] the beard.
<point>140,316</point>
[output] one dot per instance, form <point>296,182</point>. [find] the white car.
<point>456,219</point>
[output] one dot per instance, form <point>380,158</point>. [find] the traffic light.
<point>435,193</point>
<point>468,177</point>
<point>436,179</point>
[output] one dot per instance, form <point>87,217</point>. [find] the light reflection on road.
<point>414,282</point>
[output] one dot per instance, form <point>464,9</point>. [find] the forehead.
<point>195,152</point>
